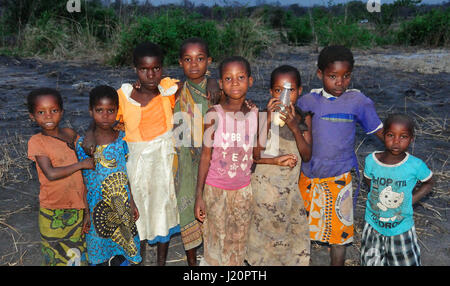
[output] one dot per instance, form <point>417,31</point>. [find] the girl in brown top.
<point>62,192</point>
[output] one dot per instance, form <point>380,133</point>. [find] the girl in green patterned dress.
<point>191,106</point>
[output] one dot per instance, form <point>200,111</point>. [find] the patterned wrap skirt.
<point>329,204</point>
<point>62,237</point>
<point>225,228</point>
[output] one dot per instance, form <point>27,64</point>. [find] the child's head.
<point>45,106</point>
<point>148,61</point>
<point>194,59</point>
<point>398,132</point>
<point>283,74</point>
<point>335,65</point>
<point>103,105</point>
<point>235,76</point>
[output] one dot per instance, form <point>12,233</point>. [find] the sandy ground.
<point>397,79</point>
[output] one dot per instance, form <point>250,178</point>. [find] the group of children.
<point>196,158</point>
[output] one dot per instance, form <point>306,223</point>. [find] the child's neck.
<point>197,80</point>
<point>235,105</point>
<point>144,96</point>
<point>54,133</point>
<point>388,158</point>
<point>105,136</point>
<point>61,133</point>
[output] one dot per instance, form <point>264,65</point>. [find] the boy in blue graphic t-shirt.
<point>389,236</point>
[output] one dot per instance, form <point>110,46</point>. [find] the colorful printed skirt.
<point>62,237</point>
<point>225,228</point>
<point>329,204</point>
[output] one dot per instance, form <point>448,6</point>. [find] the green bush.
<point>46,36</point>
<point>246,37</point>
<point>168,29</point>
<point>334,31</point>
<point>430,29</point>
<point>299,30</point>
<point>241,36</point>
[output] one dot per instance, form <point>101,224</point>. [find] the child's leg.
<point>191,255</point>
<point>143,251</point>
<point>337,255</point>
<point>162,249</point>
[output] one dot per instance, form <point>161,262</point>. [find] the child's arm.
<point>133,206</point>
<point>283,160</point>
<point>203,167</point>
<point>56,173</point>
<point>367,181</point>
<point>422,191</point>
<point>379,134</point>
<point>213,91</point>
<point>89,142</point>
<point>87,216</point>
<point>302,138</point>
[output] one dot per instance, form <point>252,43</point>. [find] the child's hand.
<point>199,209</point>
<point>88,163</point>
<point>120,126</point>
<point>89,143</point>
<point>137,85</point>
<point>86,222</point>
<point>273,104</point>
<point>250,104</point>
<point>289,160</point>
<point>134,210</point>
<point>213,91</point>
<point>289,117</point>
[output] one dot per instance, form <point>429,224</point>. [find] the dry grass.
<point>14,165</point>
<point>15,256</point>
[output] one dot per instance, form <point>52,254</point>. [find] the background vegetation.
<point>44,28</point>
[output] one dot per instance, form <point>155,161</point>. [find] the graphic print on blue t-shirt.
<point>386,198</point>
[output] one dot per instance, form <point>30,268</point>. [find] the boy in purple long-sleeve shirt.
<point>325,181</point>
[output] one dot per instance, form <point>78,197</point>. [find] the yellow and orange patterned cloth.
<point>329,204</point>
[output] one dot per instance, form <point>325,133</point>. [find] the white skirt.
<point>150,174</point>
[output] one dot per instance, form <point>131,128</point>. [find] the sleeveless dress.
<point>228,191</point>
<point>148,132</point>
<point>113,230</point>
<point>278,232</point>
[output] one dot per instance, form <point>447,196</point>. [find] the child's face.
<point>336,77</point>
<point>149,72</point>
<point>104,113</point>
<point>278,83</point>
<point>194,62</point>
<point>47,113</point>
<point>397,138</point>
<point>235,80</point>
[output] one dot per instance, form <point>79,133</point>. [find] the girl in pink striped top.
<point>224,194</point>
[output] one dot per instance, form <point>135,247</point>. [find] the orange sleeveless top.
<point>148,122</point>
